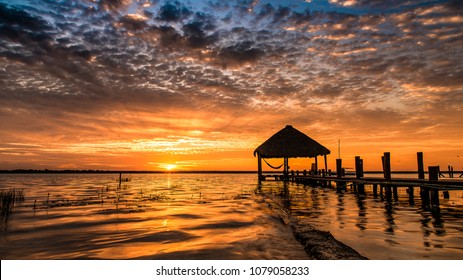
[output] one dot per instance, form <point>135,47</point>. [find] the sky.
<point>199,85</point>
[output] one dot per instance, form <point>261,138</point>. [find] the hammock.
<point>278,167</point>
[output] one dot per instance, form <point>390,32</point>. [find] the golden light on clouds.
<point>140,85</point>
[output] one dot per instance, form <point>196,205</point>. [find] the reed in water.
<point>8,199</point>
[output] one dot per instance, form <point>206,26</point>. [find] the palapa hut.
<point>289,143</point>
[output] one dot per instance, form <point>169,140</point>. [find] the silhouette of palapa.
<point>289,143</point>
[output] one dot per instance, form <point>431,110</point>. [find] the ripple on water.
<point>155,216</point>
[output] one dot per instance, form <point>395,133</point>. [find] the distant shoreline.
<point>46,171</point>
<point>49,171</point>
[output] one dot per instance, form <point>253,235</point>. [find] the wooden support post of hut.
<point>326,164</point>
<point>285,169</point>
<point>290,143</point>
<point>315,169</point>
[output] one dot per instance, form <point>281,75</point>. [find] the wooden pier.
<point>437,181</point>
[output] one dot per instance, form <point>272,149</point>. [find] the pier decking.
<point>444,184</point>
<point>436,182</point>
<point>429,190</point>
<point>291,143</point>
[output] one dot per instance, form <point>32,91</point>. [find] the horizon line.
<point>70,171</point>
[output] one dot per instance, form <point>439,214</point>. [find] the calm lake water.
<point>154,216</point>
<point>214,216</point>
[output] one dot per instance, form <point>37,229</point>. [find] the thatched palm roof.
<point>291,143</point>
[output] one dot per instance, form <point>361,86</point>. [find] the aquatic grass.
<point>119,195</point>
<point>8,199</point>
<point>155,197</point>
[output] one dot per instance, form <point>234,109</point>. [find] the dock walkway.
<point>437,180</point>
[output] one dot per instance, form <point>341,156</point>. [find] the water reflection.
<point>184,216</point>
<point>362,213</point>
<point>286,196</point>
<point>315,199</point>
<point>389,213</point>
<point>432,222</point>
<point>396,224</point>
<point>340,209</point>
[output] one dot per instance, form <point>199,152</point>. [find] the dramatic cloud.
<point>88,83</point>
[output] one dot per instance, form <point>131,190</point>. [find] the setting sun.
<point>170,167</point>
<point>205,94</point>
<point>230,130</point>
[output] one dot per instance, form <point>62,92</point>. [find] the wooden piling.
<point>339,174</point>
<point>434,176</point>
<point>339,167</point>
<point>433,173</point>
<point>387,165</point>
<point>450,167</point>
<point>358,167</point>
<point>425,196</point>
<point>316,166</point>
<point>446,194</point>
<point>419,157</point>
<point>411,196</point>
<point>375,190</point>
<point>435,197</point>
<point>388,191</point>
<point>395,193</point>
<point>359,173</point>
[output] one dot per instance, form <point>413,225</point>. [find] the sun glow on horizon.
<point>170,167</point>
